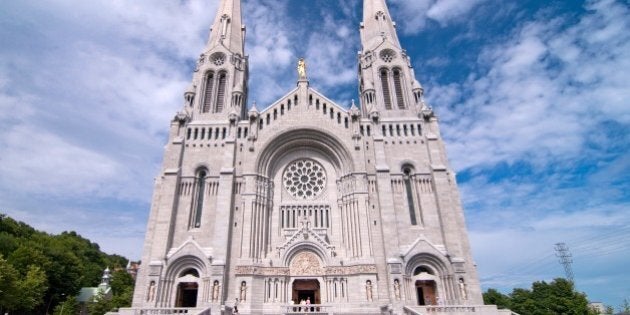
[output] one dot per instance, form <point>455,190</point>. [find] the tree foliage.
<point>494,297</point>
<point>21,292</point>
<point>556,297</point>
<point>69,307</point>
<point>100,305</point>
<point>38,270</point>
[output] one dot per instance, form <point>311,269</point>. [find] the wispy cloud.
<point>416,13</point>
<point>544,92</point>
<point>540,135</point>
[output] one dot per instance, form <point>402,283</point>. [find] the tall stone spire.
<point>219,85</point>
<point>387,80</point>
<point>228,27</point>
<point>377,24</point>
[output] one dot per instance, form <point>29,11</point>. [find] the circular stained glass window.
<point>387,55</point>
<point>304,179</point>
<point>218,58</point>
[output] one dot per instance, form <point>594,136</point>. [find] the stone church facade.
<point>354,210</point>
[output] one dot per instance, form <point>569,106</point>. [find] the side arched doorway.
<point>187,294</point>
<point>426,292</point>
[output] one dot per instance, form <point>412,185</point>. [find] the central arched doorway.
<point>306,289</point>
<point>187,294</point>
<point>426,292</point>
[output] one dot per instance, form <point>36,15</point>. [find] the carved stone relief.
<point>305,264</point>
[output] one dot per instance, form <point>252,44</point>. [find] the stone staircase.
<point>456,310</point>
<point>166,311</point>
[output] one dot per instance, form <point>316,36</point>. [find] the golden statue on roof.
<point>301,69</point>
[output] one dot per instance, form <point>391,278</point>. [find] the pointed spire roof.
<point>377,24</point>
<point>228,27</point>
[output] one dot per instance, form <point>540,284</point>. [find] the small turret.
<point>107,277</point>
<point>189,95</point>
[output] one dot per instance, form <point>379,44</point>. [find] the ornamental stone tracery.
<point>304,179</point>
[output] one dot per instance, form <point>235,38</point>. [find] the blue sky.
<point>533,98</point>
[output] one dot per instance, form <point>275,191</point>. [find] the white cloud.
<point>42,162</point>
<point>541,136</point>
<point>330,54</point>
<point>416,13</point>
<point>534,102</point>
<point>443,11</point>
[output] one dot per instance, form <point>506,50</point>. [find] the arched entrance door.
<point>426,291</point>
<point>187,294</point>
<point>306,289</point>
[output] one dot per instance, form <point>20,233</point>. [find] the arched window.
<point>412,208</point>
<point>400,99</point>
<point>190,271</point>
<point>199,198</point>
<point>422,269</point>
<point>207,93</point>
<point>221,92</point>
<point>385,84</point>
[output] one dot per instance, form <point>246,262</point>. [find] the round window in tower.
<point>387,55</point>
<point>304,179</point>
<point>218,58</point>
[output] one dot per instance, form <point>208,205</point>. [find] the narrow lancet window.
<point>386,94</point>
<point>400,100</point>
<point>199,198</point>
<point>412,208</point>
<point>207,94</point>
<point>221,92</point>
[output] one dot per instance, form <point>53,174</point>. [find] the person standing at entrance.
<point>308,302</point>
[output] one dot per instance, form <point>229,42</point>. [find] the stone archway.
<point>306,269</point>
<point>426,292</point>
<point>187,294</point>
<point>307,290</point>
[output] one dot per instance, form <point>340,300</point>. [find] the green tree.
<point>625,307</point>
<point>521,301</point>
<point>27,255</point>
<point>9,286</point>
<point>122,286</point>
<point>32,288</point>
<point>100,305</point>
<point>494,297</point>
<point>68,261</point>
<point>556,297</point>
<point>21,292</point>
<point>69,307</point>
<point>121,281</point>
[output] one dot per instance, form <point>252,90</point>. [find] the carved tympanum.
<point>305,264</point>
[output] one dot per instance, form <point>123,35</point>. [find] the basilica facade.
<point>304,205</point>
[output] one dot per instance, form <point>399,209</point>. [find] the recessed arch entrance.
<point>187,294</point>
<point>426,292</point>
<point>306,290</point>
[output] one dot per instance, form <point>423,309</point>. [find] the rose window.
<point>304,179</point>
<point>387,55</point>
<point>218,58</point>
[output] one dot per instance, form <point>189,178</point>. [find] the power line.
<point>562,252</point>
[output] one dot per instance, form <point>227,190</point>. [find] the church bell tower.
<point>387,82</point>
<point>219,88</point>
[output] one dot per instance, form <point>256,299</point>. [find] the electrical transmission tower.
<point>563,253</point>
